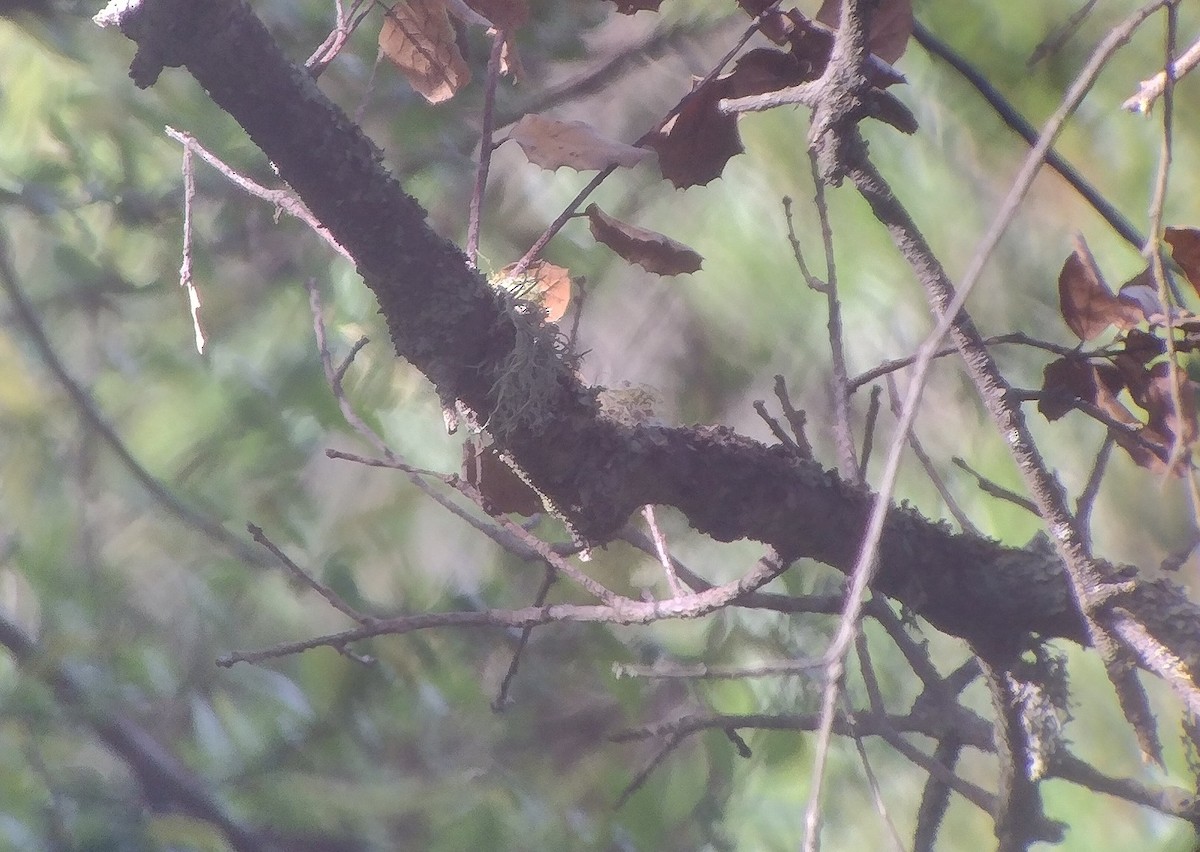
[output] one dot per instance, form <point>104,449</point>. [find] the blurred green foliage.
<point>406,753</point>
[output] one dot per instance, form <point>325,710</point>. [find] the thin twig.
<point>1151,90</point>
<point>1091,489</point>
<point>485,145</point>
<point>664,555</point>
<point>1017,123</point>
<point>843,432</point>
<point>501,701</point>
<point>781,435</point>
<point>873,405</point>
<point>622,610</point>
<point>987,486</point>
<point>283,199</point>
<point>811,280</point>
<point>1180,440</point>
<point>186,281</point>
<point>335,600</point>
<point>572,208</point>
<point>343,28</point>
<point>914,444</point>
<point>875,696</point>
<point>797,420</point>
<point>703,671</point>
<point>1056,39</point>
<point>638,780</point>
<point>1016,337</point>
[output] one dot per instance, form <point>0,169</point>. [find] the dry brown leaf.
<point>765,70</point>
<point>1063,381</point>
<point>651,250</point>
<point>418,39</point>
<point>1087,305</point>
<point>498,483</point>
<point>697,143</point>
<point>551,143</point>
<point>544,283</point>
<point>891,26</point>
<point>1185,248</point>
<point>628,7</point>
<point>506,15</point>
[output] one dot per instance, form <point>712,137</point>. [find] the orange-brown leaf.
<point>1087,305</point>
<point>551,143</point>
<point>697,143</point>
<point>1185,248</point>
<point>418,39</point>
<point>544,283</point>
<point>651,250</point>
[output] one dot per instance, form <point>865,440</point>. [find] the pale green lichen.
<point>527,380</point>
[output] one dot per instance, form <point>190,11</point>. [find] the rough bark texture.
<point>446,321</point>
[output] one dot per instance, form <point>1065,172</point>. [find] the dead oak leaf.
<point>766,70</point>
<point>1185,249</point>
<point>417,38</point>
<point>502,489</point>
<point>695,145</point>
<point>1086,303</point>
<point>649,249</point>
<point>891,26</point>
<point>543,283</point>
<point>551,143</point>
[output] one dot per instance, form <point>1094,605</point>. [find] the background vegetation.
<point>134,574</point>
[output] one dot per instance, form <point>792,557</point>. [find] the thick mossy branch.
<point>451,325</point>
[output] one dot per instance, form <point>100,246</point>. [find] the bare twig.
<point>843,432</point>
<point>998,491</point>
<point>621,610</point>
<point>1091,489</point>
<point>760,407</point>
<point>797,420</point>
<point>344,26</point>
<point>186,281</point>
<point>875,697</point>
<point>1151,90</point>
<point>500,702</point>
<point>1060,35</point>
<point>914,443</point>
<point>664,555</point>
<point>872,418</point>
<point>335,600</point>
<point>485,145</point>
<point>703,671</point>
<point>1017,122</point>
<point>1019,338</point>
<point>282,199</point>
<point>811,280</point>
<point>672,742</point>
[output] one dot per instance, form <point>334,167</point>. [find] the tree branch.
<point>448,323</point>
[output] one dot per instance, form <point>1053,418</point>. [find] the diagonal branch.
<point>445,320</point>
